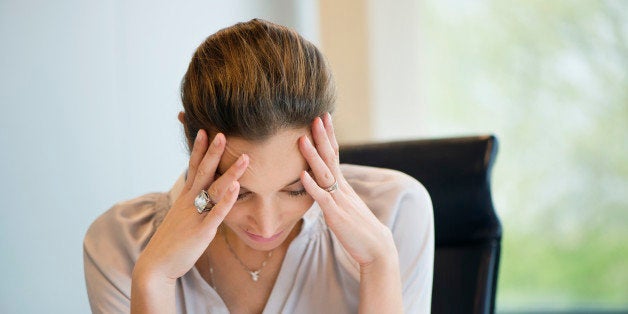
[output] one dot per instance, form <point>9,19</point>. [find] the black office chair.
<point>456,173</point>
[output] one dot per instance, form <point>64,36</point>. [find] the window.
<point>550,79</point>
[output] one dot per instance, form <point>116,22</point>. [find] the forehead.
<point>273,163</point>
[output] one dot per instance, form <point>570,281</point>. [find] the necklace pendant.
<point>254,275</point>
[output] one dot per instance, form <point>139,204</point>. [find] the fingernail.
<point>216,140</point>
<point>241,160</point>
<point>308,176</point>
<point>198,136</point>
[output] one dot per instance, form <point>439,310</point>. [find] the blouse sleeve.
<point>404,205</point>
<point>111,246</point>
<point>413,231</point>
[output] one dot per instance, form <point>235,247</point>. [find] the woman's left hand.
<point>362,235</point>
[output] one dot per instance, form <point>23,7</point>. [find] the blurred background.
<point>89,96</point>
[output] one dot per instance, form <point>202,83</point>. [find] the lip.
<point>258,238</point>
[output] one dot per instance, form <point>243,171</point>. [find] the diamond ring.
<point>203,202</point>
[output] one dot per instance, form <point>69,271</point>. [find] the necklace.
<point>254,273</point>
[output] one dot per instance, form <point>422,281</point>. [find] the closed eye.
<point>297,193</point>
<point>290,193</point>
<point>243,195</point>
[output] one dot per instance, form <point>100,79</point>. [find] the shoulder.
<point>121,233</point>
<point>390,194</point>
<point>112,245</point>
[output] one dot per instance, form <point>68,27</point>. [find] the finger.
<point>204,175</point>
<point>220,186</point>
<point>321,196</point>
<point>214,218</point>
<point>198,150</point>
<point>325,150</point>
<point>325,199</point>
<point>329,127</point>
<point>324,176</point>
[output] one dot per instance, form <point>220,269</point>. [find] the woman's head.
<point>261,85</point>
<point>254,79</point>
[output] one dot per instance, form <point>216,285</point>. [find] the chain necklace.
<point>254,273</point>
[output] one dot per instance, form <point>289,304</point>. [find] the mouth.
<point>260,239</point>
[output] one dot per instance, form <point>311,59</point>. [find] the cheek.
<point>298,207</point>
<point>237,213</point>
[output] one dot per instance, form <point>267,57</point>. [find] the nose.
<point>266,217</point>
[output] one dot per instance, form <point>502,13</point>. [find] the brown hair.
<point>254,79</point>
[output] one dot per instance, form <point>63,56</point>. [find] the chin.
<point>259,243</point>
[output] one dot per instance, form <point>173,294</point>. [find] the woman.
<point>264,219</point>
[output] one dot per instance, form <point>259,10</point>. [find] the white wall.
<point>394,47</point>
<point>89,96</point>
<point>373,48</point>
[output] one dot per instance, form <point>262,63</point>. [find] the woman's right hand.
<point>185,234</point>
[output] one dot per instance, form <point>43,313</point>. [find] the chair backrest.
<point>456,173</point>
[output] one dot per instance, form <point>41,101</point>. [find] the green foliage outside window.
<point>550,79</point>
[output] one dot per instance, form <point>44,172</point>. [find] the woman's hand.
<point>362,235</point>
<point>184,234</point>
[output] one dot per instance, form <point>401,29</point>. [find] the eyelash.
<point>290,193</point>
<point>297,193</point>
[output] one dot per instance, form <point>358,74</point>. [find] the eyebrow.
<point>219,173</point>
